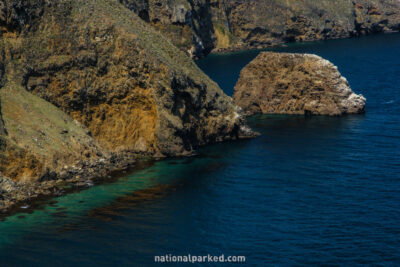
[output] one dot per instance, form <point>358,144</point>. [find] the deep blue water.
<point>308,191</point>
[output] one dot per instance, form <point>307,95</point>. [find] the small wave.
<point>390,102</point>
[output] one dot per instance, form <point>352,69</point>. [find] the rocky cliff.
<point>200,26</point>
<point>188,24</point>
<point>285,83</point>
<point>87,87</point>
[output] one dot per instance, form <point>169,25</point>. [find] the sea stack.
<point>287,83</point>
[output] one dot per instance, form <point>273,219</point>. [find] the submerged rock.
<point>285,83</point>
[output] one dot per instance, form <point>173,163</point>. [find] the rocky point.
<point>87,87</point>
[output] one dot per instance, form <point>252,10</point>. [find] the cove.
<point>308,191</point>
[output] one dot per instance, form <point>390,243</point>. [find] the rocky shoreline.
<point>202,27</point>
<point>243,48</point>
<point>14,195</point>
<point>19,196</point>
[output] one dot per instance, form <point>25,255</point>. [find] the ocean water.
<point>308,191</point>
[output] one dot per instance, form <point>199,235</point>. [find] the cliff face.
<point>285,83</point>
<point>198,26</point>
<point>87,84</point>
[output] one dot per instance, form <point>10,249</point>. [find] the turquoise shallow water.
<point>309,191</point>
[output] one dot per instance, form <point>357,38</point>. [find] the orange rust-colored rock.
<point>86,87</point>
